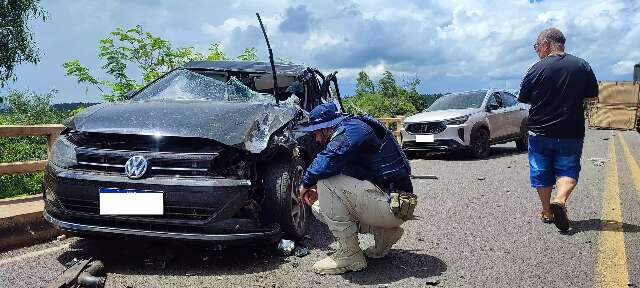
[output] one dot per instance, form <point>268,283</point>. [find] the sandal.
<point>546,218</point>
<point>560,215</point>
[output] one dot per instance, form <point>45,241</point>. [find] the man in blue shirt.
<point>556,87</point>
<point>350,185</point>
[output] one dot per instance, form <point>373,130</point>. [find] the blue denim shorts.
<point>550,158</point>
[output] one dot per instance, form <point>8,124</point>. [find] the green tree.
<point>152,56</point>
<point>386,100</point>
<point>364,84</point>
<point>16,39</point>
<point>215,53</point>
<point>387,85</point>
<point>249,54</point>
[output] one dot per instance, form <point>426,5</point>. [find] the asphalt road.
<point>478,227</point>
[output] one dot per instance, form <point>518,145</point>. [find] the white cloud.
<point>449,44</point>
<point>321,39</point>
<point>623,68</point>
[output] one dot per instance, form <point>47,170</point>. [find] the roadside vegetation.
<point>387,98</point>
<point>27,108</point>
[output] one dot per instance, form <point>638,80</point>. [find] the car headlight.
<point>63,153</point>
<point>457,120</point>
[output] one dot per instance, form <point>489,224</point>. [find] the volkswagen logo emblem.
<point>135,167</point>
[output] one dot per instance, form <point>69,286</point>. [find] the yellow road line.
<point>611,268</point>
<point>633,165</point>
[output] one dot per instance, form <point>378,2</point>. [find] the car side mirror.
<point>492,106</point>
<point>130,94</point>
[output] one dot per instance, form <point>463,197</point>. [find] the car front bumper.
<point>454,137</point>
<point>84,229</point>
<point>194,209</point>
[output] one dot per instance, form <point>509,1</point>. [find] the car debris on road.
<point>600,162</point>
<point>87,273</point>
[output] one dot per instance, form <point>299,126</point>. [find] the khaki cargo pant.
<point>348,206</point>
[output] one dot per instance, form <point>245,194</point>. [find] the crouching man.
<point>359,183</point>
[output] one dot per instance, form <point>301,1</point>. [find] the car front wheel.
<point>281,203</point>
<point>480,143</point>
<point>522,144</point>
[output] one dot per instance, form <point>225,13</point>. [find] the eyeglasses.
<point>537,45</point>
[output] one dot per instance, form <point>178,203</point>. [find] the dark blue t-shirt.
<point>555,87</point>
<point>362,148</point>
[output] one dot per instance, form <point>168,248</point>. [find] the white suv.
<point>470,121</point>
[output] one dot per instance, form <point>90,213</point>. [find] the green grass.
<point>21,184</point>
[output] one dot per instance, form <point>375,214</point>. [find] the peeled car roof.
<point>246,66</point>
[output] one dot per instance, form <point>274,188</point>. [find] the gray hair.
<point>553,36</point>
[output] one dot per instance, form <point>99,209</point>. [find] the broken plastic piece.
<point>285,247</point>
<point>424,177</point>
<point>301,251</point>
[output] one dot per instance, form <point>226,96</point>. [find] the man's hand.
<point>309,196</point>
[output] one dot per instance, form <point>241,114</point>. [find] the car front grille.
<point>426,128</point>
<point>160,164</point>
<point>166,156</point>
<point>171,212</point>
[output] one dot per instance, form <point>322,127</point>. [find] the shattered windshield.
<point>183,84</point>
<point>463,100</point>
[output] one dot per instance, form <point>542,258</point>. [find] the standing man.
<point>360,182</point>
<point>555,87</point>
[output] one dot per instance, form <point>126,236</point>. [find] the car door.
<point>514,112</point>
<point>496,116</point>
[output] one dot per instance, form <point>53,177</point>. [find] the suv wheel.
<point>281,203</point>
<point>480,143</point>
<point>522,143</point>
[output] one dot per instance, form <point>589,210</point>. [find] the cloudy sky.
<point>450,45</point>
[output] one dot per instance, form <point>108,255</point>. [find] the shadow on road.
<point>496,152</point>
<point>171,258</point>
<point>398,265</point>
<point>600,225</point>
<point>137,257</point>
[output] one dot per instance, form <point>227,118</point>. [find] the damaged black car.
<point>208,151</point>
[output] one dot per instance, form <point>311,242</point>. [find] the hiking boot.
<point>347,258</point>
<point>384,239</point>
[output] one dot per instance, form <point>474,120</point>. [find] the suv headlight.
<point>63,153</point>
<point>457,120</point>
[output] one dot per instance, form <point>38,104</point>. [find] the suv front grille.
<point>426,128</point>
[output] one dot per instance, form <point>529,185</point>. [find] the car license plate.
<point>115,201</point>
<point>424,138</point>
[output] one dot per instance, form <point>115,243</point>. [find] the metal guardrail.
<point>50,131</point>
<point>394,124</point>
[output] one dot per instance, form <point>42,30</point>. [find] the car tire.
<point>480,146</point>
<point>281,202</point>
<point>522,143</point>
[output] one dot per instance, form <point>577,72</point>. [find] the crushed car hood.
<point>245,125</point>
